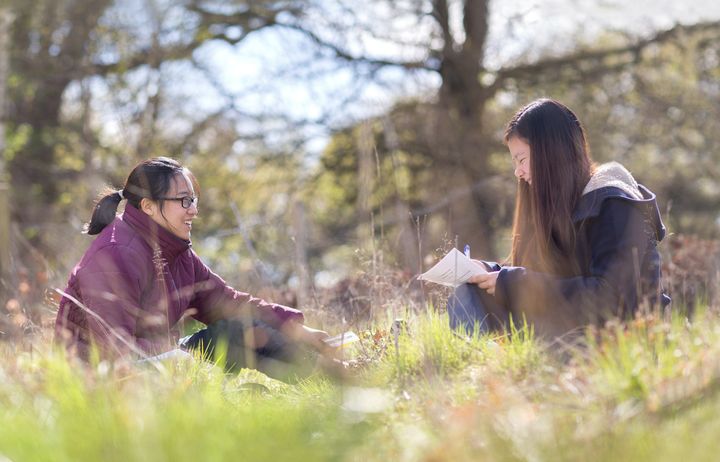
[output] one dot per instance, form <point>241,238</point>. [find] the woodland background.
<point>331,137</point>
<point>341,146</point>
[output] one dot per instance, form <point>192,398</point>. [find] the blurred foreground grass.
<point>647,390</point>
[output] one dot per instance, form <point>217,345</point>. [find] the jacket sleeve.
<point>110,286</point>
<point>618,240</point>
<point>214,300</point>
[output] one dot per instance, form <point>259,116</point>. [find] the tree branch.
<point>249,21</point>
<point>441,13</point>
<point>592,60</point>
<point>348,57</point>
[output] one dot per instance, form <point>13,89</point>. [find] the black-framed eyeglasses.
<point>186,202</point>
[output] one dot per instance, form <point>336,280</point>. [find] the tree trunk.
<point>365,181</point>
<point>5,21</point>
<point>460,120</point>
<point>45,65</point>
<point>300,227</point>
<point>407,239</point>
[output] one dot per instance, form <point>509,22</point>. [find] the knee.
<point>462,297</point>
<point>466,311</point>
<point>460,305</point>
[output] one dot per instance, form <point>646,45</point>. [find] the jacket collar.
<point>615,175</point>
<point>613,181</point>
<point>155,235</point>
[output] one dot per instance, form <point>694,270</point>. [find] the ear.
<point>148,206</point>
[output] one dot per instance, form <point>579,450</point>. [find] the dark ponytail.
<point>104,212</point>
<point>150,179</point>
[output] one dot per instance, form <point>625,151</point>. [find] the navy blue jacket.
<point>618,227</point>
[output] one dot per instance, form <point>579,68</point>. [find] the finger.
<point>322,334</point>
<point>478,279</point>
<point>326,350</point>
<point>319,344</point>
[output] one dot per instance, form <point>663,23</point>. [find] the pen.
<point>467,250</point>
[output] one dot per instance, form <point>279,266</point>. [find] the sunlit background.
<point>330,135</point>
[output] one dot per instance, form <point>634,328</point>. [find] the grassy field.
<point>642,391</point>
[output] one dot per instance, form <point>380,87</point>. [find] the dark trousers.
<point>257,346</point>
<point>471,307</point>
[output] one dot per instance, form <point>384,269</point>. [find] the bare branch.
<point>348,57</point>
<point>248,21</point>
<point>441,13</point>
<point>592,61</point>
<point>248,18</point>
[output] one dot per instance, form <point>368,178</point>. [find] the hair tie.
<point>120,193</point>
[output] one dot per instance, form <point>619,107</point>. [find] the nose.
<point>193,210</point>
<point>516,172</point>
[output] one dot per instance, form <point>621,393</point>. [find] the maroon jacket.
<point>140,279</point>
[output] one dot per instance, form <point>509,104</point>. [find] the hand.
<point>486,281</point>
<point>313,337</point>
<point>482,264</point>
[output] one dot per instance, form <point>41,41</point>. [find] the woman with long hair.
<point>584,237</point>
<point>140,276</point>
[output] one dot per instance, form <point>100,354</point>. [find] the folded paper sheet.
<point>453,270</point>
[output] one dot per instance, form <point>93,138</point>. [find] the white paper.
<point>342,340</point>
<point>453,270</point>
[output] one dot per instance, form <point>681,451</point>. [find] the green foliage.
<point>645,390</point>
<point>389,173</point>
<point>522,353</point>
<point>185,412</point>
<point>429,349</point>
<point>15,141</point>
<point>651,356</point>
<point>245,231</point>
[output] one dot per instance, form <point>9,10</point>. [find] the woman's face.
<point>520,152</point>
<point>174,217</point>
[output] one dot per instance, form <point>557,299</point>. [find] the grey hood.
<point>614,175</point>
<point>613,181</point>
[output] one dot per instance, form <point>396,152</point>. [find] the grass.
<point>645,390</point>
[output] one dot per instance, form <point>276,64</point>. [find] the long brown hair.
<point>544,236</point>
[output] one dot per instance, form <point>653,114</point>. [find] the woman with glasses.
<point>140,277</point>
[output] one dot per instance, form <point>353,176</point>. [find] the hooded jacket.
<point>136,281</point>
<point>618,227</point>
